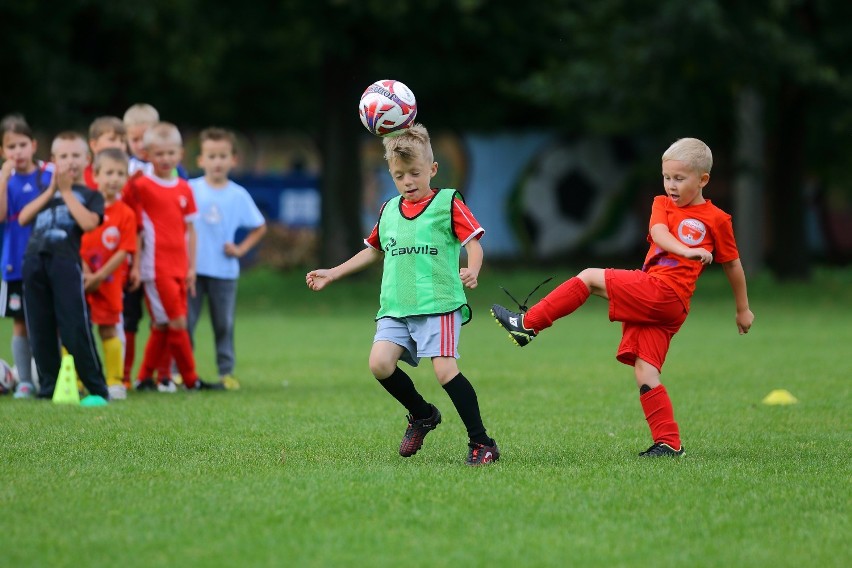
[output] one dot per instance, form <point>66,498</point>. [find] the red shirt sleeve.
<point>725,243</point>
<point>130,198</point>
<point>373,239</point>
<point>464,223</point>
<point>128,230</point>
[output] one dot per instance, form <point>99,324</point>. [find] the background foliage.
<point>644,70</point>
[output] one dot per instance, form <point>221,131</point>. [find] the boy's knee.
<point>381,367</point>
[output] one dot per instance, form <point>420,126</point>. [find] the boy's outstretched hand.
<point>318,279</point>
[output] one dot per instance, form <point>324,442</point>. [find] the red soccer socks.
<point>566,298</point>
<point>660,416</point>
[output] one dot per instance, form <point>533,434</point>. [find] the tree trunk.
<point>790,257</point>
<point>340,184</point>
<point>749,211</point>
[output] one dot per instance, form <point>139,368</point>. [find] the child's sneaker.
<point>24,390</point>
<point>416,431</point>
<point>167,385</point>
<point>480,454</point>
<point>230,382</point>
<point>204,385</point>
<point>513,323</point>
<point>662,450</point>
<point>117,392</point>
<point>145,385</point>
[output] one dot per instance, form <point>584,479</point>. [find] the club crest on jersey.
<point>182,201</point>
<point>110,238</point>
<point>691,231</point>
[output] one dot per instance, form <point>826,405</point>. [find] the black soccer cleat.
<point>145,385</point>
<point>513,323</point>
<point>202,385</point>
<point>480,454</point>
<point>660,450</point>
<point>416,432</point>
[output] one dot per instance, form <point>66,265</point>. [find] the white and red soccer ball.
<point>387,108</point>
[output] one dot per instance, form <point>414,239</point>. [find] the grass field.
<point>300,467</point>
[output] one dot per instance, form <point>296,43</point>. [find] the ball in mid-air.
<point>387,108</point>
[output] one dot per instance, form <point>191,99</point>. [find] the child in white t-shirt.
<point>223,208</point>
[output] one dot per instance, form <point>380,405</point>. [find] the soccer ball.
<point>7,378</point>
<point>387,108</point>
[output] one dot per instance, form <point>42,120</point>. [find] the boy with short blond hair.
<point>422,302</point>
<point>223,208</point>
<point>165,211</point>
<point>105,252</point>
<point>104,132</point>
<point>138,118</point>
<point>53,276</point>
<point>685,232</point>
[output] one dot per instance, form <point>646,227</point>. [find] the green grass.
<point>300,467</point>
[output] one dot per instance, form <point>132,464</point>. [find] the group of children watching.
<point>91,231</point>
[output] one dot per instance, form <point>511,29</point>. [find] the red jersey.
<point>465,224</point>
<point>163,209</point>
<point>89,177</point>
<point>704,226</point>
<point>117,232</point>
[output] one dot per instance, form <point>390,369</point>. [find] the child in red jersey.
<point>104,132</point>
<point>104,252</point>
<point>685,231</point>
<point>165,210</point>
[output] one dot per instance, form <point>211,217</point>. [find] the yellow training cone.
<point>66,383</point>
<point>780,396</point>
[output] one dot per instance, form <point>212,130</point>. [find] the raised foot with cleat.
<point>513,322</point>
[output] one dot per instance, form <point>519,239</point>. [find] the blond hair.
<point>104,124</point>
<point>162,133</point>
<point>68,135</point>
<point>113,154</point>
<point>692,151</point>
<point>412,143</point>
<point>141,113</point>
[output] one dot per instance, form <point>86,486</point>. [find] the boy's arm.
<point>191,243</point>
<point>31,209</point>
<point>322,277</point>
<point>5,175</point>
<point>663,238</point>
<point>736,276</point>
<point>86,219</point>
<point>248,243</point>
<point>92,280</point>
<point>135,278</point>
<point>475,255</point>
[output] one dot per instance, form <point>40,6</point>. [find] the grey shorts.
<point>12,299</point>
<point>422,336</point>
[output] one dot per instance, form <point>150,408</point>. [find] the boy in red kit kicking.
<point>165,209</point>
<point>685,232</point>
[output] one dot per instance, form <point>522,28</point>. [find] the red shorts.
<point>106,303</point>
<point>650,312</point>
<point>166,299</point>
<point>102,311</point>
